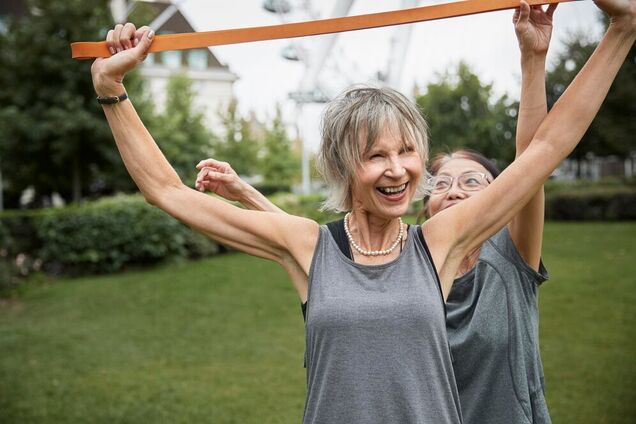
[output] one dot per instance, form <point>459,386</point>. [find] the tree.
<point>180,131</point>
<point>612,131</point>
<point>238,146</point>
<point>54,135</point>
<point>279,165</point>
<point>461,112</point>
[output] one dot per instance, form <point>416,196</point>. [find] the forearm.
<point>143,159</point>
<point>256,201</point>
<point>570,117</point>
<point>532,104</point>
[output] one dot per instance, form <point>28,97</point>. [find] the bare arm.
<point>458,230</point>
<point>533,28</point>
<point>219,177</point>
<point>278,237</point>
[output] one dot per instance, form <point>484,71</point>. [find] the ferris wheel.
<point>315,54</point>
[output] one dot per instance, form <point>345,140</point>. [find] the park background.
<point>111,311</point>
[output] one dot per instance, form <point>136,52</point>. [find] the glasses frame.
<point>483,175</point>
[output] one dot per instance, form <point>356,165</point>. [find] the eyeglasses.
<point>470,181</point>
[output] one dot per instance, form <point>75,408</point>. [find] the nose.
<point>455,192</point>
<point>395,169</point>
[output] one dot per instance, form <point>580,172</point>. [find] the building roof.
<point>146,11</point>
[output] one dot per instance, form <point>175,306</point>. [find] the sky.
<point>486,42</point>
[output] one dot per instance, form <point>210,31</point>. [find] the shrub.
<point>95,237</point>
<point>591,206</point>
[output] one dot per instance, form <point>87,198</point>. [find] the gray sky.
<point>486,42</point>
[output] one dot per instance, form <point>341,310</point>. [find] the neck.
<point>372,232</point>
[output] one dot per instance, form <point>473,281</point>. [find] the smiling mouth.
<point>393,191</point>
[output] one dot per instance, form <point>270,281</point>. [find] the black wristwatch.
<point>103,100</point>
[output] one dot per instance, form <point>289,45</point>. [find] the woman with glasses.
<point>492,315</point>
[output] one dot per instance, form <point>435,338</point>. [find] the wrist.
<point>249,195</point>
<point>105,87</point>
<point>623,27</point>
<point>533,58</point>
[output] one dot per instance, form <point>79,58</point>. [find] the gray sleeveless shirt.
<point>493,329</point>
<point>376,345</point>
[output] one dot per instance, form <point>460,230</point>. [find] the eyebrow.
<point>463,173</point>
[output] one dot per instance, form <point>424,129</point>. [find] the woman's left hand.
<point>533,27</point>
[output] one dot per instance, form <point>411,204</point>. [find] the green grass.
<point>221,340</point>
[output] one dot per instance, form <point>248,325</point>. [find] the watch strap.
<point>111,100</point>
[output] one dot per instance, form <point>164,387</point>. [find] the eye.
<point>441,184</point>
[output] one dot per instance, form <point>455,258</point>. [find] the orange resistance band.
<point>193,40</point>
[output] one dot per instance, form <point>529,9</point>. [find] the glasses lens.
<point>441,184</point>
<point>472,181</point>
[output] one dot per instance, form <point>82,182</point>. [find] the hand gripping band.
<point>89,50</point>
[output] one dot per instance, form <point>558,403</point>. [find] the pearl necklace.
<point>372,252</point>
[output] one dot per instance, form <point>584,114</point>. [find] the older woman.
<point>376,342</point>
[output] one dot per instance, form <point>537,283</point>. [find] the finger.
<point>524,12</point>
<point>110,41</point>
<point>210,162</point>
<point>139,34</point>
<point>551,8</point>
<point>144,44</point>
<point>126,35</point>
<point>116,38</point>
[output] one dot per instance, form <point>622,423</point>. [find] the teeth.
<point>392,189</point>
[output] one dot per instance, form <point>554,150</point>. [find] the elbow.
<point>158,195</point>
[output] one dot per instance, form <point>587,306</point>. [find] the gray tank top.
<point>493,329</point>
<point>376,345</point>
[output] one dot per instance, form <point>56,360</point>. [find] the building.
<point>212,81</point>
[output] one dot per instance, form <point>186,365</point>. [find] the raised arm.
<point>533,28</point>
<point>458,230</point>
<point>278,237</point>
<point>219,178</point>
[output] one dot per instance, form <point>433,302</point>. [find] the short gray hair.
<point>365,112</point>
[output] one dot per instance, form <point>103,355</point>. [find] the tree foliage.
<point>462,112</point>
<point>612,131</point>
<point>279,165</point>
<point>180,131</point>
<point>54,137</point>
<point>238,145</point>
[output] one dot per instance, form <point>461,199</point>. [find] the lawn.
<point>221,340</point>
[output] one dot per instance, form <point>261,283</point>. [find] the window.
<point>198,59</point>
<point>172,59</point>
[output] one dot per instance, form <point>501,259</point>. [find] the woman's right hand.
<point>533,27</point>
<point>129,47</point>
<point>219,178</point>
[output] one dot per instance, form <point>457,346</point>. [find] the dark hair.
<point>441,158</point>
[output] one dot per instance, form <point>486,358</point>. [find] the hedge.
<point>591,206</point>
<point>109,234</point>
<point>101,236</point>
